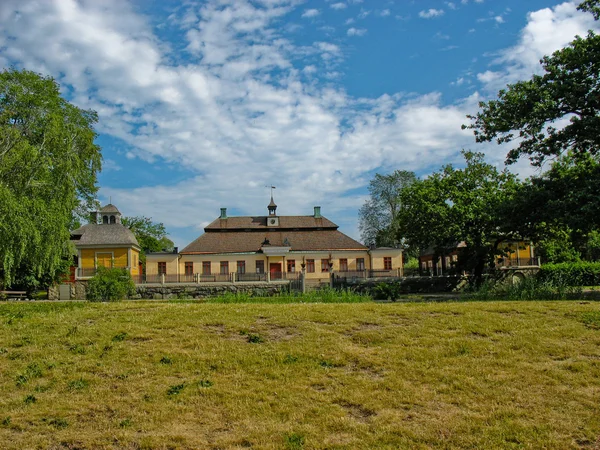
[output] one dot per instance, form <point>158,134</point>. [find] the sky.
<point>203,104</point>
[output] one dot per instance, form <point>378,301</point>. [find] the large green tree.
<point>559,209</point>
<point>48,166</point>
<point>459,205</point>
<point>378,216</point>
<point>152,236</point>
<point>553,113</point>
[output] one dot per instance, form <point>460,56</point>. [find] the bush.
<point>110,285</point>
<point>530,288</point>
<point>571,274</point>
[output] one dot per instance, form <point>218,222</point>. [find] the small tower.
<point>110,215</point>
<point>272,220</point>
<point>272,207</point>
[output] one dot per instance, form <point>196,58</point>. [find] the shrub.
<point>530,288</point>
<point>110,285</point>
<point>386,291</point>
<point>571,273</point>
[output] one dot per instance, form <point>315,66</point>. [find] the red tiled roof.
<point>285,222</point>
<point>240,241</point>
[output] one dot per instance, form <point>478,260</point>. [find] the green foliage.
<point>591,319</point>
<point>377,217</point>
<point>387,291</point>
<point>175,389</point>
<point>294,441</point>
<point>527,111</point>
<point>48,166</point>
<point>110,285</point>
<point>119,337</point>
<point>459,205</point>
<point>205,383</point>
<point>556,246</point>
<point>151,236</point>
<point>529,288</point>
<point>571,274</point>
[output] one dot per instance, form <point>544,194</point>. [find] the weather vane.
<point>272,187</point>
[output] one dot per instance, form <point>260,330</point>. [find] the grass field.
<point>364,375</point>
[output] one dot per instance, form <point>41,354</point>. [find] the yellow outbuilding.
<point>106,242</point>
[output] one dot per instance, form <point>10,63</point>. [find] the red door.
<point>275,269</point>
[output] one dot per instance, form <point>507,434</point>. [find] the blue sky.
<point>204,103</point>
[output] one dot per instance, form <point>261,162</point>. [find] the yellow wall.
<point>522,249</point>
<point>120,258</point>
<point>378,256</point>
<point>88,257</point>
<point>153,260</point>
<point>135,262</point>
<point>251,259</point>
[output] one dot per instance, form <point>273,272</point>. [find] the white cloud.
<point>546,31</point>
<point>431,13</point>
<point>338,5</point>
<point>311,13</point>
<point>385,13</point>
<point>235,112</point>
<point>356,31</point>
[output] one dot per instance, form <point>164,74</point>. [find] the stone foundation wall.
<point>160,292</point>
<point>164,292</point>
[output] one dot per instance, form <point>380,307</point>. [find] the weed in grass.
<point>122,376</point>
<point>255,338</point>
<point>78,385</point>
<point>252,338</point>
<point>29,399</point>
<point>175,389</point>
<point>326,364</point>
<point>125,423</point>
<point>205,383</point>
<point>25,340</point>
<point>77,349</point>
<point>119,337</point>
<point>15,355</point>
<point>3,351</point>
<point>6,421</point>
<point>32,371</point>
<point>18,315</point>
<point>147,397</point>
<point>72,331</point>
<point>463,350</point>
<point>294,441</point>
<point>591,319</point>
<point>290,359</point>
<point>166,360</point>
<point>42,387</point>
<point>56,422</point>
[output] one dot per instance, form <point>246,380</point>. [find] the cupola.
<point>110,214</point>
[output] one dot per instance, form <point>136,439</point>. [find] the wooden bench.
<point>14,294</point>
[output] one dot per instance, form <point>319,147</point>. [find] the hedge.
<point>571,273</point>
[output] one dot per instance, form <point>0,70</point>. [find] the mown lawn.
<point>184,375</point>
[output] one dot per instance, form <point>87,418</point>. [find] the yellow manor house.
<point>269,248</point>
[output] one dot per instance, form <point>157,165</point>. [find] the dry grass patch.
<point>162,375</point>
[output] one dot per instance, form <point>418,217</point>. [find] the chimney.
<point>94,217</point>
<point>223,213</point>
<point>317,212</point>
